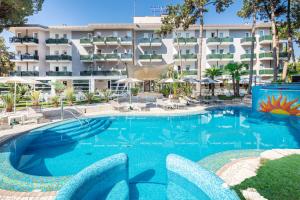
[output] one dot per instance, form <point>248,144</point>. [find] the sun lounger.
<point>191,101</point>
<point>119,107</point>
<point>33,115</point>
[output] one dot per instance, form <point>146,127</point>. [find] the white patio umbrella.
<point>208,81</point>
<point>17,80</point>
<point>191,80</point>
<point>129,81</point>
<point>170,80</point>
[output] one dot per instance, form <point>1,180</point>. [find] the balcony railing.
<point>150,40</point>
<point>266,55</point>
<point>112,40</point>
<point>24,73</point>
<point>85,41</point>
<point>150,57</point>
<point>247,72</point>
<point>266,71</point>
<point>219,40</point>
<point>24,40</point>
<point>59,57</point>
<point>186,56</point>
<point>57,41</point>
<point>219,56</point>
<point>126,56</point>
<point>99,39</point>
<point>98,57</point>
<point>58,73</point>
<point>265,38</point>
<point>112,56</point>
<point>86,57</point>
<point>24,57</point>
<point>186,40</point>
<point>248,39</point>
<point>102,73</point>
<point>247,56</point>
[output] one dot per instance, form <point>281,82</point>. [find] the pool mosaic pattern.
<point>146,140</point>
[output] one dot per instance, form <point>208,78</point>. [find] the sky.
<point>83,12</point>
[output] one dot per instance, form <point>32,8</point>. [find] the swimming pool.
<point>63,149</point>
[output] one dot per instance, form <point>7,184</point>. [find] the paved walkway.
<point>238,170</point>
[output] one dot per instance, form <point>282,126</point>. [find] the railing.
<point>266,71</point>
<point>248,39</point>
<point>24,73</point>
<point>145,57</point>
<point>126,39</point>
<point>186,56</point>
<point>219,40</point>
<point>58,57</point>
<point>57,41</point>
<point>126,56</point>
<point>265,38</point>
<point>112,39</point>
<point>99,57</point>
<point>58,73</point>
<point>150,40</point>
<point>112,56</point>
<point>156,56</point>
<point>247,72</point>
<point>86,58</point>
<point>247,56</point>
<point>24,40</point>
<point>24,57</point>
<point>219,56</point>
<point>266,55</point>
<point>99,39</point>
<point>85,41</point>
<point>102,73</point>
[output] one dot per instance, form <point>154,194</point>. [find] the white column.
<point>52,87</point>
<point>92,85</point>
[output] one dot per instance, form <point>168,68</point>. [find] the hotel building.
<point>97,55</point>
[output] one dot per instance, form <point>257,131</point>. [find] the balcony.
<point>266,56</point>
<point>103,73</point>
<point>247,41</point>
<point>186,41</point>
<point>29,41</point>
<point>58,73</point>
<point>99,40</point>
<point>150,42</point>
<point>247,72</point>
<point>219,41</point>
<point>247,57</point>
<point>283,55</point>
<point>24,73</point>
<point>126,57</point>
<point>86,42</point>
<point>58,58</point>
<point>112,40</point>
<point>266,72</point>
<point>220,57</point>
<point>266,39</point>
<point>60,41</point>
<point>150,58</point>
<point>86,58</point>
<point>126,40</point>
<point>25,58</point>
<point>112,57</point>
<point>186,57</point>
<point>99,57</point>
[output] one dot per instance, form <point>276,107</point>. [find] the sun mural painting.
<point>281,105</point>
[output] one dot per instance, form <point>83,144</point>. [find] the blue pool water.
<point>66,148</point>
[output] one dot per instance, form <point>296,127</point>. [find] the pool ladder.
<point>81,120</point>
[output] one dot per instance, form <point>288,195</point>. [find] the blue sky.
<point>82,12</point>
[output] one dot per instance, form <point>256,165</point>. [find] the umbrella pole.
<point>15,97</point>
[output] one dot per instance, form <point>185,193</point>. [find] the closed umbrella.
<point>17,80</point>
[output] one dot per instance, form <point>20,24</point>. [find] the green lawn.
<point>276,179</point>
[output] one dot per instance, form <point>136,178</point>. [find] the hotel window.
<point>146,35</point>
<point>56,36</point>
<point>90,35</point>
<point>56,52</point>
<point>36,52</point>
<point>221,35</point>
<point>115,51</point>
<point>36,68</point>
<point>19,35</point>
<point>128,34</point>
<point>65,52</point>
<point>213,34</point>
<point>261,33</point>
<point>19,53</point>
<point>19,68</point>
<point>221,51</point>
<point>65,69</point>
<point>187,51</point>
<point>187,67</point>
<point>115,34</point>
<point>145,52</point>
<point>213,51</point>
<point>179,35</point>
<point>56,69</point>
<point>65,36</point>
<point>35,35</point>
<point>187,35</point>
<point>154,52</point>
<point>247,34</point>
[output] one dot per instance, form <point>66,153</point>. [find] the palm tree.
<point>212,73</point>
<point>236,70</point>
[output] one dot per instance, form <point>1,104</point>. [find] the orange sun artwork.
<point>280,106</point>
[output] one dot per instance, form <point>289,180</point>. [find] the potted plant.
<point>69,94</point>
<point>8,101</point>
<point>89,97</point>
<point>106,94</point>
<point>59,87</point>
<point>35,98</point>
<point>55,101</point>
<point>134,91</point>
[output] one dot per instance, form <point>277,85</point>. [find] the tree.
<point>272,10</point>
<point>192,11</point>
<point>236,70</point>
<point>249,10</point>
<point>15,12</point>
<point>5,64</point>
<point>212,73</point>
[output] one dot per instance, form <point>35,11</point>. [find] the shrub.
<point>89,97</point>
<point>8,100</point>
<point>59,87</point>
<point>134,91</point>
<point>69,94</point>
<point>35,98</point>
<point>106,94</point>
<point>55,101</point>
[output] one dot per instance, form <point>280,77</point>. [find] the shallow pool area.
<point>53,153</point>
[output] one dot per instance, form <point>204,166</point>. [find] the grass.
<point>276,179</point>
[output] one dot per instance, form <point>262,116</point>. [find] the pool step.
<point>58,141</point>
<point>147,190</point>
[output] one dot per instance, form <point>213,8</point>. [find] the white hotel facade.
<point>95,56</point>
